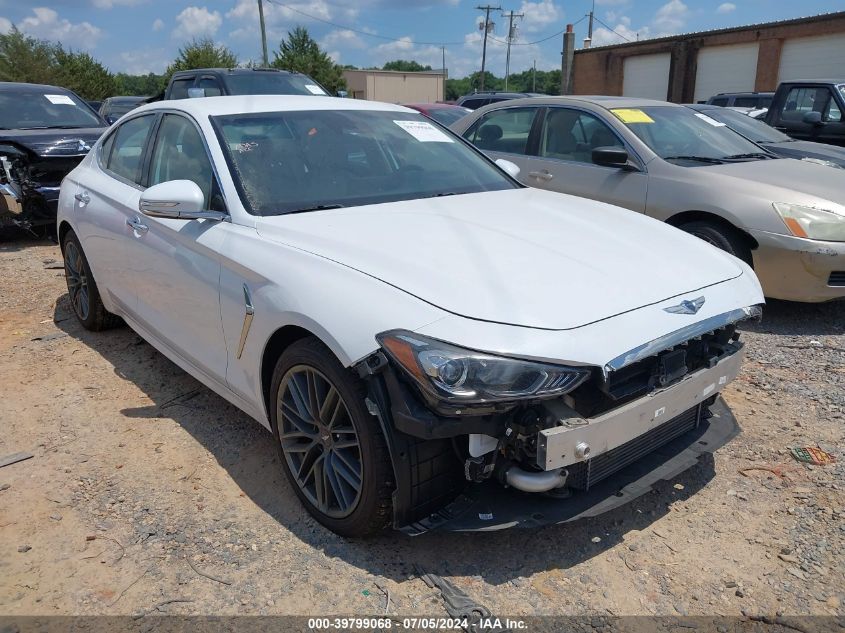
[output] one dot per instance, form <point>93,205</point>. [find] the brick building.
<point>694,66</point>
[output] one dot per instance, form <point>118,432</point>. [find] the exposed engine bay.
<point>29,183</point>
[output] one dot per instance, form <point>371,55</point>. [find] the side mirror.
<point>610,156</point>
<point>194,93</point>
<point>177,200</point>
<point>511,169</point>
<point>812,118</point>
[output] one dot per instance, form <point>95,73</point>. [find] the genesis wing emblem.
<point>688,306</point>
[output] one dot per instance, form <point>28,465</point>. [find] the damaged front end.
<point>552,436</point>
<point>31,177</point>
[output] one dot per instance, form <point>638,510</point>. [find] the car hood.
<point>790,176</point>
<point>809,150</point>
<point>54,142</point>
<point>523,257</point>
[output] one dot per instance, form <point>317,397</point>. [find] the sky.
<point>141,36</point>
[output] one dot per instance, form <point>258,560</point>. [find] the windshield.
<point>673,132</point>
<point>32,109</point>
<point>752,129</point>
<point>269,83</point>
<point>285,162</point>
<point>447,116</point>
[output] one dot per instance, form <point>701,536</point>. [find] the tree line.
<point>26,59</point>
<point>30,60</point>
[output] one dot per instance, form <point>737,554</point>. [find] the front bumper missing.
<point>489,507</point>
<point>560,446</point>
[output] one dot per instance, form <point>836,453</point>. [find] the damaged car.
<point>430,343</point>
<point>44,132</point>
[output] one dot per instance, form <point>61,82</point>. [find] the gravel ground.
<point>146,488</point>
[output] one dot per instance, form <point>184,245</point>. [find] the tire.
<point>325,455</point>
<point>721,236</point>
<point>82,289</point>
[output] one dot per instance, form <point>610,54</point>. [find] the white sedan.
<point>416,328</point>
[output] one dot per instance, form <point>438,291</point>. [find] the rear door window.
<point>506,130</point>
<point>127,148</point>
<point>719,101</point>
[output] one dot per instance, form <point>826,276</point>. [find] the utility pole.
<point>511,36</point>
<point>486,27</point>
<point>263,33</point>
<point>589,41</point>
<point>534,78</point>
<point>443,50</point>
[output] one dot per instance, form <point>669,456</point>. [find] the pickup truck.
<point>810,110</point>
<point>215,82</point>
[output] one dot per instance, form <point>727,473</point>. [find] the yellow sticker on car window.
<point>631,115</point>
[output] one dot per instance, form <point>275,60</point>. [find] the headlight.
<point>812,223</point>
<point>463,376</point>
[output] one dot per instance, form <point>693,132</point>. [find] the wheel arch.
<point>277,343</point>
<point>64,229</point>
<point>705,216</point>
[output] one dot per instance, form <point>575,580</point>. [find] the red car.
<point>443,113</point>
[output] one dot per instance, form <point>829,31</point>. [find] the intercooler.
<point>588,473</point>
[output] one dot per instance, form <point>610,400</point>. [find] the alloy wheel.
<point>319,441</point>
<point>77,281</point>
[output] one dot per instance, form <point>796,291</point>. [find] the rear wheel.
<point>332,449</point>
<point>721,236</point>
<point>82,289</point>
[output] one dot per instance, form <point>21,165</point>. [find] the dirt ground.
<point>145,487</point>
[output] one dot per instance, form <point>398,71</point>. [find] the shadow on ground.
<point>247,452</point>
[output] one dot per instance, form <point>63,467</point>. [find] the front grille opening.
<point>586,474</point>
<point>665,368</point>
<point>837,278</point>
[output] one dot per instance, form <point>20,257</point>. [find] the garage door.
<point>726,69</point>
<point>646,76</point>
<point>812,58</point>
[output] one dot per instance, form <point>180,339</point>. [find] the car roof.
<point>606,102</point>
<point>127,99</point>
<point>748,93</point>
<point>432,106</point>
<point>234,71</point>
<point>815,81</point>
<point>247,104</point>
<point>23,87</point>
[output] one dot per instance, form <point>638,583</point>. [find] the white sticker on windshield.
<point>60,99</point>
<point>707,119</point>
<point>424,131</point>
<point>314,90</point>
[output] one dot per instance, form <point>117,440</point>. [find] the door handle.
<point>541,175</point>
<point>84,198</point>
<point>137,225</point>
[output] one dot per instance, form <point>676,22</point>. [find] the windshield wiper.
<point>441,195</point>
<point>700,159</point>
<point>761,155</point>
<point>316,207</point>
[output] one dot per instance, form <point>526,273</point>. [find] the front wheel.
<point>721,236</point>
<point>332,449</point>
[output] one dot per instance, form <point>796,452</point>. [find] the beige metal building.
<point>393,86</point>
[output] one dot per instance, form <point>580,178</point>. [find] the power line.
<point>540,41</point>
<point>611,29</point>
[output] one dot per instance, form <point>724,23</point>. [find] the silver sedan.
<point>781,215</point>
